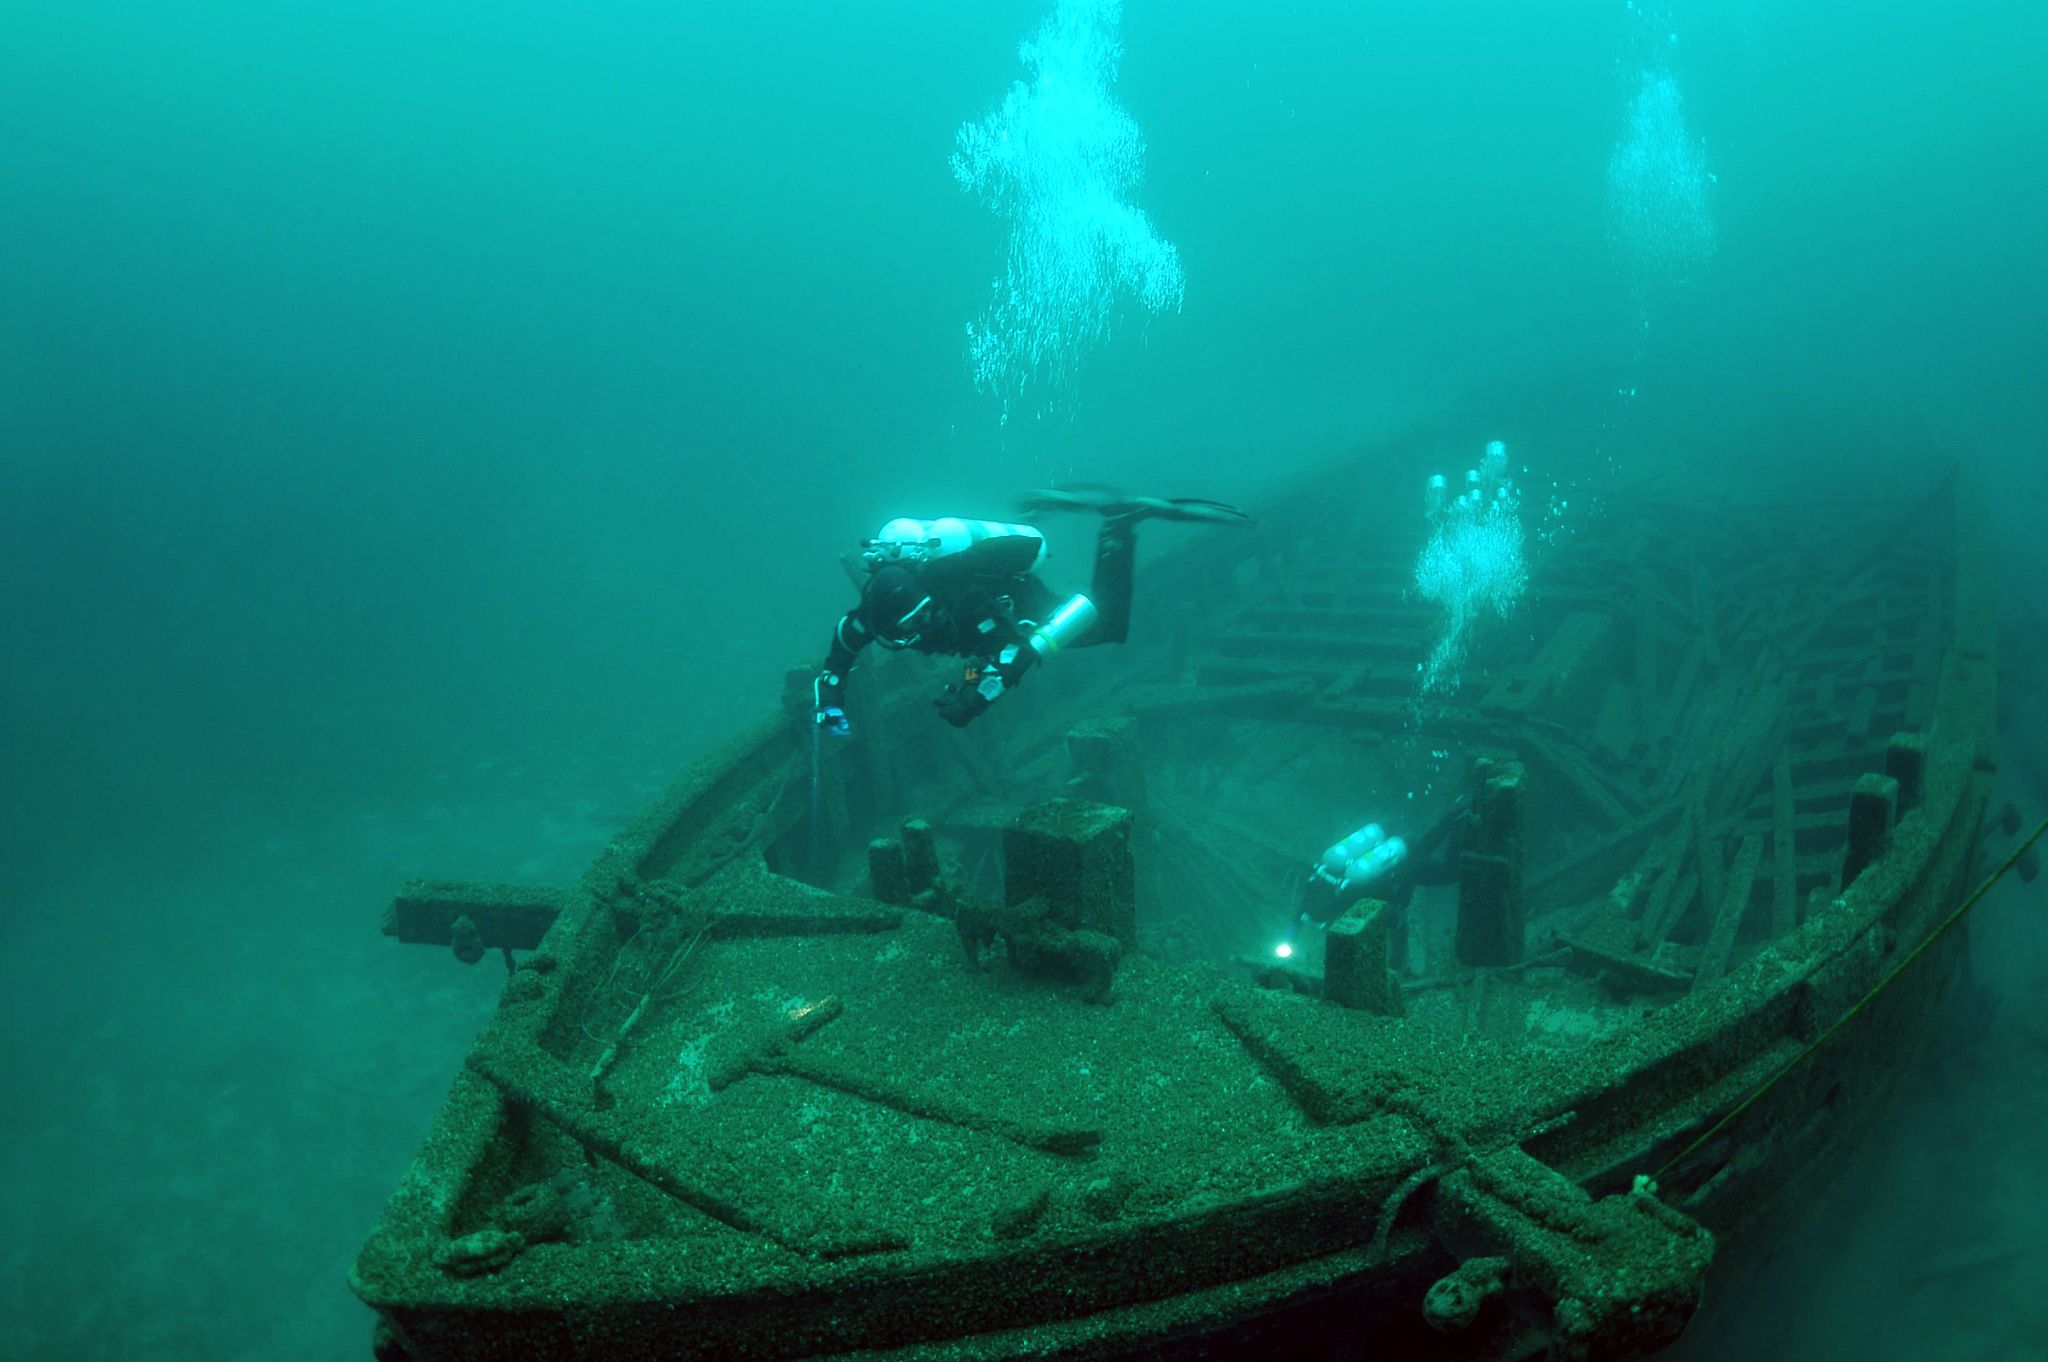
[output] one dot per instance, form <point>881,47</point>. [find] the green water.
<point>424,427</point>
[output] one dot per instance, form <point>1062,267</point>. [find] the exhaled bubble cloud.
<point>1472,565</point>
<point>1057,159</point>
<point>1658,187</point>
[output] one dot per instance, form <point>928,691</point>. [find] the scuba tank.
<point>907,540</point>
<point>1363,870</point>
<point>1344,867</point>
<point>1335,863</point>
<point>1359,859</point>
<point>1066,624</point>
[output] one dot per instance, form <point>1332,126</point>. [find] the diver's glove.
<point>827,704</point>
<point>959,704</point>
<point>963,701</point>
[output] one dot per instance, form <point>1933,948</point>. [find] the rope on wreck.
<point>1951,920</point>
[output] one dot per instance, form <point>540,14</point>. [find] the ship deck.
<point>828,1117</point>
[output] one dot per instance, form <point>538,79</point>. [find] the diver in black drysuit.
<point>984,603</point>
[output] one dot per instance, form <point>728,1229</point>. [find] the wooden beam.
<point>1728,918</point>
<point>1679,696</point>
<point>1681,903</point>
<point>1627,970</point>
<point>1662,912</point>
<point>1648,629</point>
<point>513,916</point>
<point>1784,851</point>
<point>1573,770</point>
<point>1713,870</point>
<point>1559,881</point>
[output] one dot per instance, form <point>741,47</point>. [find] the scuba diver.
<point>1370,864</point>
<point>968,588</point>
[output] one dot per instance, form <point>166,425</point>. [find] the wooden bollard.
<point>888,881</point>
<point>1355,972</point>
<point>1490,900</point>
<point>1905,760</point>
<point>920,856</point>
<point>1076,855</point>
<point>1873,809</point>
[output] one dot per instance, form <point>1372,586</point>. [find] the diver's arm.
<point>828,692</point>
<point>984,683</point>
<point>1003,643</point>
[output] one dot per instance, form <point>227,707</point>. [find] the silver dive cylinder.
<point>1336,862</point>
<point>1064,627</point>
<point>1369,867</point>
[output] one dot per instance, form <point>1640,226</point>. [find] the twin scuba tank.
<point>904,540</point>
<point>1366,855</point>
<point>1341,876</point>
<point>1008,549</point>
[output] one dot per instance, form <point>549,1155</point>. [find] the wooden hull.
<point>1222,1166</point>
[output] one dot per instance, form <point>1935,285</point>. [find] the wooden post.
<point>1490,900</point>
<point>1077,856</point>
<point>1905,760</point>
<point>1873,809</point>
<point>1648,628</point>
<point>920,856</point>
<point>887,879</point>
<point>1355,972</point>
<point>1784,851</point>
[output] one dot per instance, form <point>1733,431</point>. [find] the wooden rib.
<point>1572,769</point>
<point>1663,911</point>
<point>1784,851</point>
<point>1648,627</point>
<point>1678,697</point>
<point>1713,873</point>
<point>1728,919</point>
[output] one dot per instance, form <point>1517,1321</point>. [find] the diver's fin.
<point>1075,496</point>
<point>1195,508</point>
<point>1109,501</point>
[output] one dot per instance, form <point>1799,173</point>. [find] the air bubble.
<point>1057,159</point>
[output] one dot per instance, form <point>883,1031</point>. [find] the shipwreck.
<point>971,1045</point>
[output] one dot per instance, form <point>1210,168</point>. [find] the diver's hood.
<point>896,608</point>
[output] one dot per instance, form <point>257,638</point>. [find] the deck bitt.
<point>1491,911</point>
<point>1905,760</point>
<point>1355,972</point>
<point>1873,809</point>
